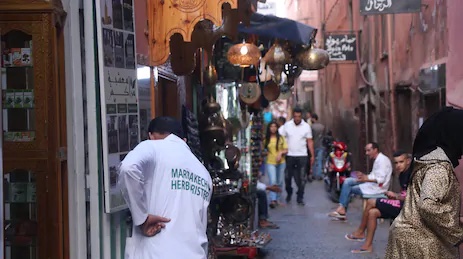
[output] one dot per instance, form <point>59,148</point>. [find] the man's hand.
<point>312,160</point>
<point>153,225</point>
<point>274,188</point>
<point>361,177</point>
<point>391,195</point>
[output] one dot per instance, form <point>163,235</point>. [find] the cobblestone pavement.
<point>307,232</point>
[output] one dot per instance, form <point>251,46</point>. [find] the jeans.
<point>262,204</point>
<point>350,186</point>
<point>296,166</point>
<point>275,174</point>
<point>318,166</point>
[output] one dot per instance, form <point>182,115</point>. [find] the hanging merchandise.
<point>191,129</point>
<point>276,58</point>
<point>286,92</point>
<point>256,147</point>
<point>313,58</point>
<point>249,92</point>
<point>244,55</point>
<point>271,90</point>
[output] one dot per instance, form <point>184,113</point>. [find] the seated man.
<point>383,208</point>
<point>376,183</point>
<point>263,204</point>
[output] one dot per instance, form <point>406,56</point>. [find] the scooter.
<point>337,168</point>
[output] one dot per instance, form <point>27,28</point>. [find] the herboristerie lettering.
<point>183,179</point>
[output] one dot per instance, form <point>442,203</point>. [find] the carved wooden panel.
<point>167,17</point>
<point>40,32</point>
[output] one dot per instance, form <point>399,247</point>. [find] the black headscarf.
<point>443,129</point>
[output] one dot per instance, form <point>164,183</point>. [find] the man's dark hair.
<point>374,145</point>
<point>166,125</point>
<point>314,116</point>
<point>282,119</point>
<point>401,153</point>
<point>297,110</point>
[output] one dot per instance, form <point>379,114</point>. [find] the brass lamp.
<point>276,59</point>
<point>244,55</point>
<point>313,58</point>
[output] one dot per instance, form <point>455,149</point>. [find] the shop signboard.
<point>368,7</point>
<point>120,121</point>
<point>341,46</point>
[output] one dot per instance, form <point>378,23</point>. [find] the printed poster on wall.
<point>118,93</point>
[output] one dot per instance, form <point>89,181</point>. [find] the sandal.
<point>361,251</point>
<point>269,224</point>
<point>336,214</point>
<point>351,237</point>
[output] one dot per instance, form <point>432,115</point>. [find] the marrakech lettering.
<point>378,5</point>
<point>185,180</point>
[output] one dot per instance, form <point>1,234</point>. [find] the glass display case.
<point>20,214</point>
<point>34,170</point>
<point>17,87</point>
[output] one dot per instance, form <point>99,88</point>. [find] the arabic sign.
<point>119,93</point>
<point>389,6</point>
<point>341,47</point>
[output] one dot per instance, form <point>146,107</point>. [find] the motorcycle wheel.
<point>334,195</point>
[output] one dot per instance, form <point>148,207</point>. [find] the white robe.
<point>163,177</point>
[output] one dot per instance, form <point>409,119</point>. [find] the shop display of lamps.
<point>313,58</point>
<point>244,55</point>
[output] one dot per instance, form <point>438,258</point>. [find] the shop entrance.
<point>34,132</point>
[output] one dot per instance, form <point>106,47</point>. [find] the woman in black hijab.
<point>428,226</point>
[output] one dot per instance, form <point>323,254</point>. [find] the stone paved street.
<point>307,232</point>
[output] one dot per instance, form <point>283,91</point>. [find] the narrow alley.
<point>308,233</point>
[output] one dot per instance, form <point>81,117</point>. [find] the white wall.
<point>75,135</point>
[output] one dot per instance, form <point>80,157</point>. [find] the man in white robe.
<point>168,192</point>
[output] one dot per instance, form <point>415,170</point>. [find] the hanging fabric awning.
<point>280,28</point>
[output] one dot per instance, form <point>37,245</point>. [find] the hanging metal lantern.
<point>276,58</point>
<point>285,92</point>
<point>244,55</point>
<point>210,74</point>
<point>292,72</point>
<point>313,59</point>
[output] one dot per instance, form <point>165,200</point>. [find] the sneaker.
<point>300,203</point>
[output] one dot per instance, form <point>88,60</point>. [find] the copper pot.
<point>232,155</point>
<point>271,91</point>
<point>249,92</point>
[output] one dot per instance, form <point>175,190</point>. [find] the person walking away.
<point>298,135</point>
<point>168,191</point>
<point>428,226</point>
<point>275,163</point>
<point>383,208</point>
<point>318,132</point>
<point>375,183</point>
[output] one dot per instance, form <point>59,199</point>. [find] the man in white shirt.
<point>168,193</point>
<point>298,135</point>
<point>375,183</point>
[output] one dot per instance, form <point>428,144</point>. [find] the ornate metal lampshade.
<point>244,54</point>
<point>276,58</point>
<point>313,59</point>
